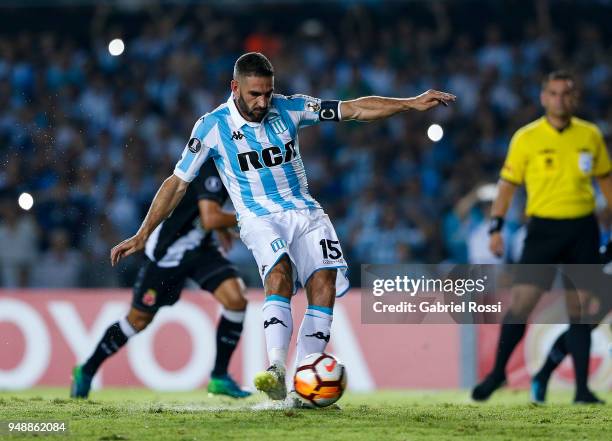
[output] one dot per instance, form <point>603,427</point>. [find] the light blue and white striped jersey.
<point>259,163</point>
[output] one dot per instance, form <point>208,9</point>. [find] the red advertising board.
<point>44,333</point>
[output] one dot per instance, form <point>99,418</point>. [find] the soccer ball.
<point>320,379</point>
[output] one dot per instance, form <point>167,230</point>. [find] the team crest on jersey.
<point>212,184</point>
<point>150,297</point>
<point>278,244</point>
<point>194,145</point>
<point>278,125</point>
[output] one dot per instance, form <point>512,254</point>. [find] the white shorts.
<point>306,236</point>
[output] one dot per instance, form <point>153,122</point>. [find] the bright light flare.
<point>435,132</point>
<point>25,201</point>
<point>116,47</point>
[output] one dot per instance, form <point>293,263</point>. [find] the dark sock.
<point>555,357</point>
<point>578,341</point>
<point>110,343</point>
<point>228,334</point>
<point>510,335</point>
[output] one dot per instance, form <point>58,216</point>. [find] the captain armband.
<point>330,111</point>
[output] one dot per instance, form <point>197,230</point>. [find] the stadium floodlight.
<point>25,201</point>
<point>116,47</point>
<point>435,132</point>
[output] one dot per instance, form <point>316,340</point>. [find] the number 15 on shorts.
<point>330,251</point>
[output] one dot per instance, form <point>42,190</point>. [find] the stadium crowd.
<point>91,136</point>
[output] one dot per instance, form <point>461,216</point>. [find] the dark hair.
<point>253,64</point>
<point>558,75</point>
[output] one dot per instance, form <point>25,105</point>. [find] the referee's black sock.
<point>114,338</point>
<point>555,357</point>
<point>229,330</point>
<point>510,335</point>
<point>578,341</point>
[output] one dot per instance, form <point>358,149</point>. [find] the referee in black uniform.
<point>556,157</point>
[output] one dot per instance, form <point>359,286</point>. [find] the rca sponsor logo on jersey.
<point>268,157</point>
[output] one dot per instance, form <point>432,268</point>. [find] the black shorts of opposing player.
<point>560,241</point>
<point>156,286</point>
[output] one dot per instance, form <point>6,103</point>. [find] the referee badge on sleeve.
<point>585,161</point>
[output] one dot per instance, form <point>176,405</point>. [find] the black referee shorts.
<point>156,286</point>
<point>559,241</point>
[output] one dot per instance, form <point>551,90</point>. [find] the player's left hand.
<point>432,98</point>
<point>127,247</point>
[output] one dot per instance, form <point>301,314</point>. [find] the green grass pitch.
<point>136,414</point>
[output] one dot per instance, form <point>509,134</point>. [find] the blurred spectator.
<point>19,249</point>
<point>473,210</point>
<point>99,237</point>
<point>60,266</point>
<point>92,136</point>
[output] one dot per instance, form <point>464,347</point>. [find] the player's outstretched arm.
<point>371,108</point>
<point>167,198</point>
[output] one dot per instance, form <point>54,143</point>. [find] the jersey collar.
<point>554,129</point>
<point>237,117</point>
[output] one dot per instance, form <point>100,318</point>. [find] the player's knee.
<point>279,280</point>
<point>235,302</point>
<point>321,288</point>
<point>231,294</point>
<point>323,280</point>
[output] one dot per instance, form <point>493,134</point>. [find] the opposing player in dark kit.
<point>182,247</point>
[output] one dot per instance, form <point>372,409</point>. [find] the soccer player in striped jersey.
<point>253,139</point>
<point>181,247</point>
